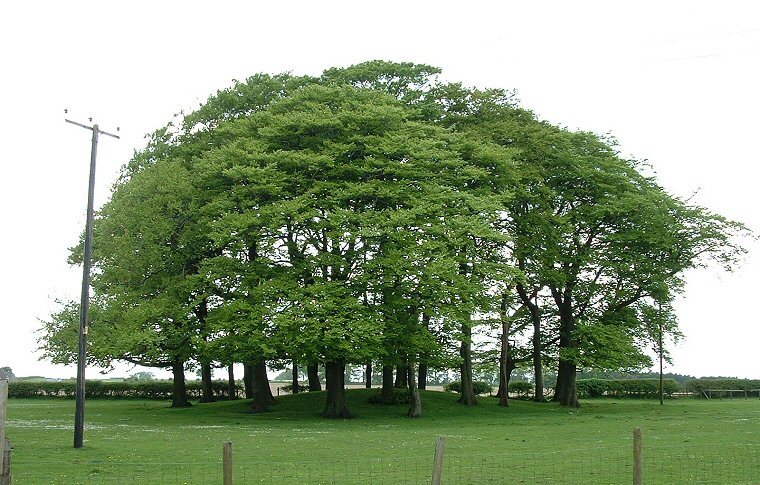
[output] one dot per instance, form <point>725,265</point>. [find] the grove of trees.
<point>378,216</point>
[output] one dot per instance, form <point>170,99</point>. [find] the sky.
<point>676,83</point>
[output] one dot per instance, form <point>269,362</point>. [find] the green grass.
<point>685,441</point>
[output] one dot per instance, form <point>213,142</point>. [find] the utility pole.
<point>84,310</point>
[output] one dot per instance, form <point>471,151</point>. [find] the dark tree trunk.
<point>423,368</point>
<point>565,391</point>
<point>415,404</point>
<point>535,317</point>
<point>467,396</point>
<point>368,375</point>
<point>422,380</point>
<point>248,380</point>
<point>296,387</point>
<point>538,370</point>
<point>504,370</point>
<point>179,395</point>
<point>313,372</point>
<point>387,395</point>
<point>336,407</point>
<point>503,392</point>
<point>231,389</point>
<point>261,391</point>
<point>402,377</point>
<point>207,386</point>
<point>261,372</point>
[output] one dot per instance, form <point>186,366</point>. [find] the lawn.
<point>685,441</point>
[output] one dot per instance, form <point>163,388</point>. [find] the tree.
<point>7,373</point>
<point>142,376</point>
<point>590,235</point>
<point>375,214</point>
<point>147,290</point>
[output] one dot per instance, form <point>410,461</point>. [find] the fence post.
<point>438,463</point>
<point>3,409</point>
<point>638,458</point>
<point>227,462</point>
<point>5,471</point>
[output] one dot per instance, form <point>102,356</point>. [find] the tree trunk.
<point>248,380</point>
<point>565,391</point>
<point>261,391</point>
<point>313,371</point>
<point>261,371</point>
<point>402,377</point>
<point>504,370</point>
<point>535,317</point>
<point>538,371</point>
<point>231,390</point>
<point>467,396</point>
<point>336,407</point>
<point>387,395</point>
<point>179,395</point>
<point>422,380</point>
<point>415,404</point>
<point>207,386</point>
<point>423,368</point>
<point>296,387</point>
<point>503,393</point>
<point>368,375</point>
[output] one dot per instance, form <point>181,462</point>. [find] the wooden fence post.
<point>438,463</point>
<point>227,462</point>
<point>638,458</point>
<point>3,409</point>
<point>5,469</point>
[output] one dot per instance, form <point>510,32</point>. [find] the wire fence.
<point>721,464</point>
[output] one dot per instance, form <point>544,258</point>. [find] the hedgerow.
<point>635,388</point>
<point>158,389</point>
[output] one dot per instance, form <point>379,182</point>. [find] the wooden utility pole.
<point>84,310</point>
<point>3,410</point>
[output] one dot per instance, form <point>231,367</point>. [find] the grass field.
<point>685,441</point>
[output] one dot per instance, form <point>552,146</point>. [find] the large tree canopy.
<point>377,214</point>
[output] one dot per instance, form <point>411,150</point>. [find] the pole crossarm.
<point>91,128</point>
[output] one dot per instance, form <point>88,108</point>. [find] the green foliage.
<point>721,383</point>
<point>142,376</point>
<point>628,388</point>
<point>7,373</point>
<point>289,387</point>
<point>521,388</point>
<point>95,389</point>
<point>479,387</point>
<point>369,214</point>
<point>400,396</point>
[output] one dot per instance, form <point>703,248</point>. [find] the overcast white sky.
<point>676,82</point>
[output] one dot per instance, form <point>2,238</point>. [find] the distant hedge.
<point>697,386</point>
<point>479,387</point>
<point>159,389</point>
<point>522,388</point>
<point>634,388</point>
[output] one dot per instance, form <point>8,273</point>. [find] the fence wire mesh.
<point>723,464</point>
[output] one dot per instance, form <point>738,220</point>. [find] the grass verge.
<point>685,441</point>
